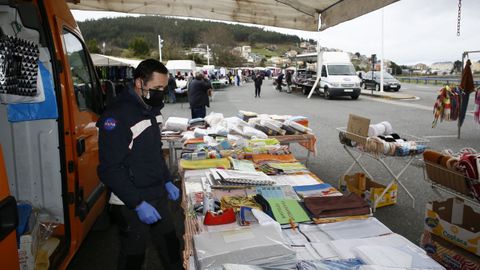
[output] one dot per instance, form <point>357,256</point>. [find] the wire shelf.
<point>451,182</point>
<point>379,148</point>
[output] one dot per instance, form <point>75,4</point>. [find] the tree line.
<point>138,37</point>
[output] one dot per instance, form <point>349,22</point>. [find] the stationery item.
<point>295,180</point>
<point>285,209</point>
<point>318,190</point>
<point>337,206</point>
<point>351,264</point>
<point>255,245</point>
<point>255,178</point>
<point>277,192</point>
<point>218,218</point>
<point>350,229</point>
<point>243,165</point>
<point>314,233</point>
<point>290,167</point>
<point>204,164</point>
<point>401,257</point>
<point>258,158</point>
<point>345,247</point>
<point>245,216</point>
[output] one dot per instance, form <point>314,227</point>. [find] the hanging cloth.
<point>476,114</point>
<point>467,87</point>
<point>18,66</point>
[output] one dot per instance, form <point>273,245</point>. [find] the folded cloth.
<point>432,156</point>
<point>349,205</point>
<point>257,158</point>
<point>205,164</point>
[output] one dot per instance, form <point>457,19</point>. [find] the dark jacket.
<point>258,79</point>
<point>288,78</point>
<point>198,93</point>
<point>130,150</point>
<point>172,84</point>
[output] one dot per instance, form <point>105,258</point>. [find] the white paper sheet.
<point>351,229</point>
<point>295,180</point>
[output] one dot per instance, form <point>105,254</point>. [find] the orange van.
<point>47,127</point>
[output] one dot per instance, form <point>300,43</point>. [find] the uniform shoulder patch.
<point>109,124</point>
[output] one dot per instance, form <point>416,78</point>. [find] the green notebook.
<point>286,209</point>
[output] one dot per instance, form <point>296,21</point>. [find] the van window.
<point>324,71</point>
<point>341,70</point>
<point>81,72</point>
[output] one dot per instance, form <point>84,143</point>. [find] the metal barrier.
<point>433,80</point>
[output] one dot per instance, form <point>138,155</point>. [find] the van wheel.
<point>377,87</point>
<point>327,94</point>
<point>355,97</point>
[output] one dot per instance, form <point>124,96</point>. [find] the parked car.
<point>389,82</point>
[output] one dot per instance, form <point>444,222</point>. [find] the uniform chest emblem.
<point>109,124</point>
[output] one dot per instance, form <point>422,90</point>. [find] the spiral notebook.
<point>243,177</point>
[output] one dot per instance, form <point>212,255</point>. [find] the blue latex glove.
<point>147,213</point>
<point>173,191</point>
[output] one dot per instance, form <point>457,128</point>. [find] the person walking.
<point>132,166</point>
<point>279,82</point>
<point>172,85</point>
<point>199,91</point>
<point>288,80</point>
<point>258,79</point>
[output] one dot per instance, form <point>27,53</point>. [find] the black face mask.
<point>153,98</point>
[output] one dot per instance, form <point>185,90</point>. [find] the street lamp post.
<point>208,55</point>
<point>160,45</point>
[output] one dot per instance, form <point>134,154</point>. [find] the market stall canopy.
<point>111,61</point>
<point>294,14</point>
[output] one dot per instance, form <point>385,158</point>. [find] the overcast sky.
<point>415,31</point>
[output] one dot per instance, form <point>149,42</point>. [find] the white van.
<point>338,76</point>
<point>182,66</point>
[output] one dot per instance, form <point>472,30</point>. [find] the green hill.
<point>138,36</point>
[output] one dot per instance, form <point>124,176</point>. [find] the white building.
<point>246,50</point>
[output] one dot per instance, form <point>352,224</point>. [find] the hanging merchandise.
<point>447,106</point>
<point>18,66</point>
<point>40,110</point>
<point>476,112</point>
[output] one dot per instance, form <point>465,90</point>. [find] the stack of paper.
<point>294,180</point>
<point>350,229</point>
<point>259,245</point>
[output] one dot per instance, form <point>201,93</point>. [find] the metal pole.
<point>381,59</point>
<point>160,41</point>
<point>208,55</point>
<point>319,74</point>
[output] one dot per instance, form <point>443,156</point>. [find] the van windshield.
<point>341,70</point>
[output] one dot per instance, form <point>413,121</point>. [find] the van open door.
<point>8,221</point>
<point>83,105</point>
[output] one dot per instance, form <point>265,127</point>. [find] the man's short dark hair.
<point>146,68</point>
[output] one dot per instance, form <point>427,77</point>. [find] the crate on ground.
<point>455,221</point>
<point>370,190</point>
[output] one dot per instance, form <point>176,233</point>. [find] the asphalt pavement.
<point>413,116</point>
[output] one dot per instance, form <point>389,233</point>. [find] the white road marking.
<point>440,136</point>
<point>404,104</point>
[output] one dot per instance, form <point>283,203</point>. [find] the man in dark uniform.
<point>199,91</point>
<point>133,167</point>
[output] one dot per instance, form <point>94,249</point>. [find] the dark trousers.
<point>199,112</point>
<point>258,88</point>
<point>134,235</point>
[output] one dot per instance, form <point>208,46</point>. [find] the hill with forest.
<point>138,37</point>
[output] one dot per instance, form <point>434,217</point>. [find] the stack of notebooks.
<point>218,178</point>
